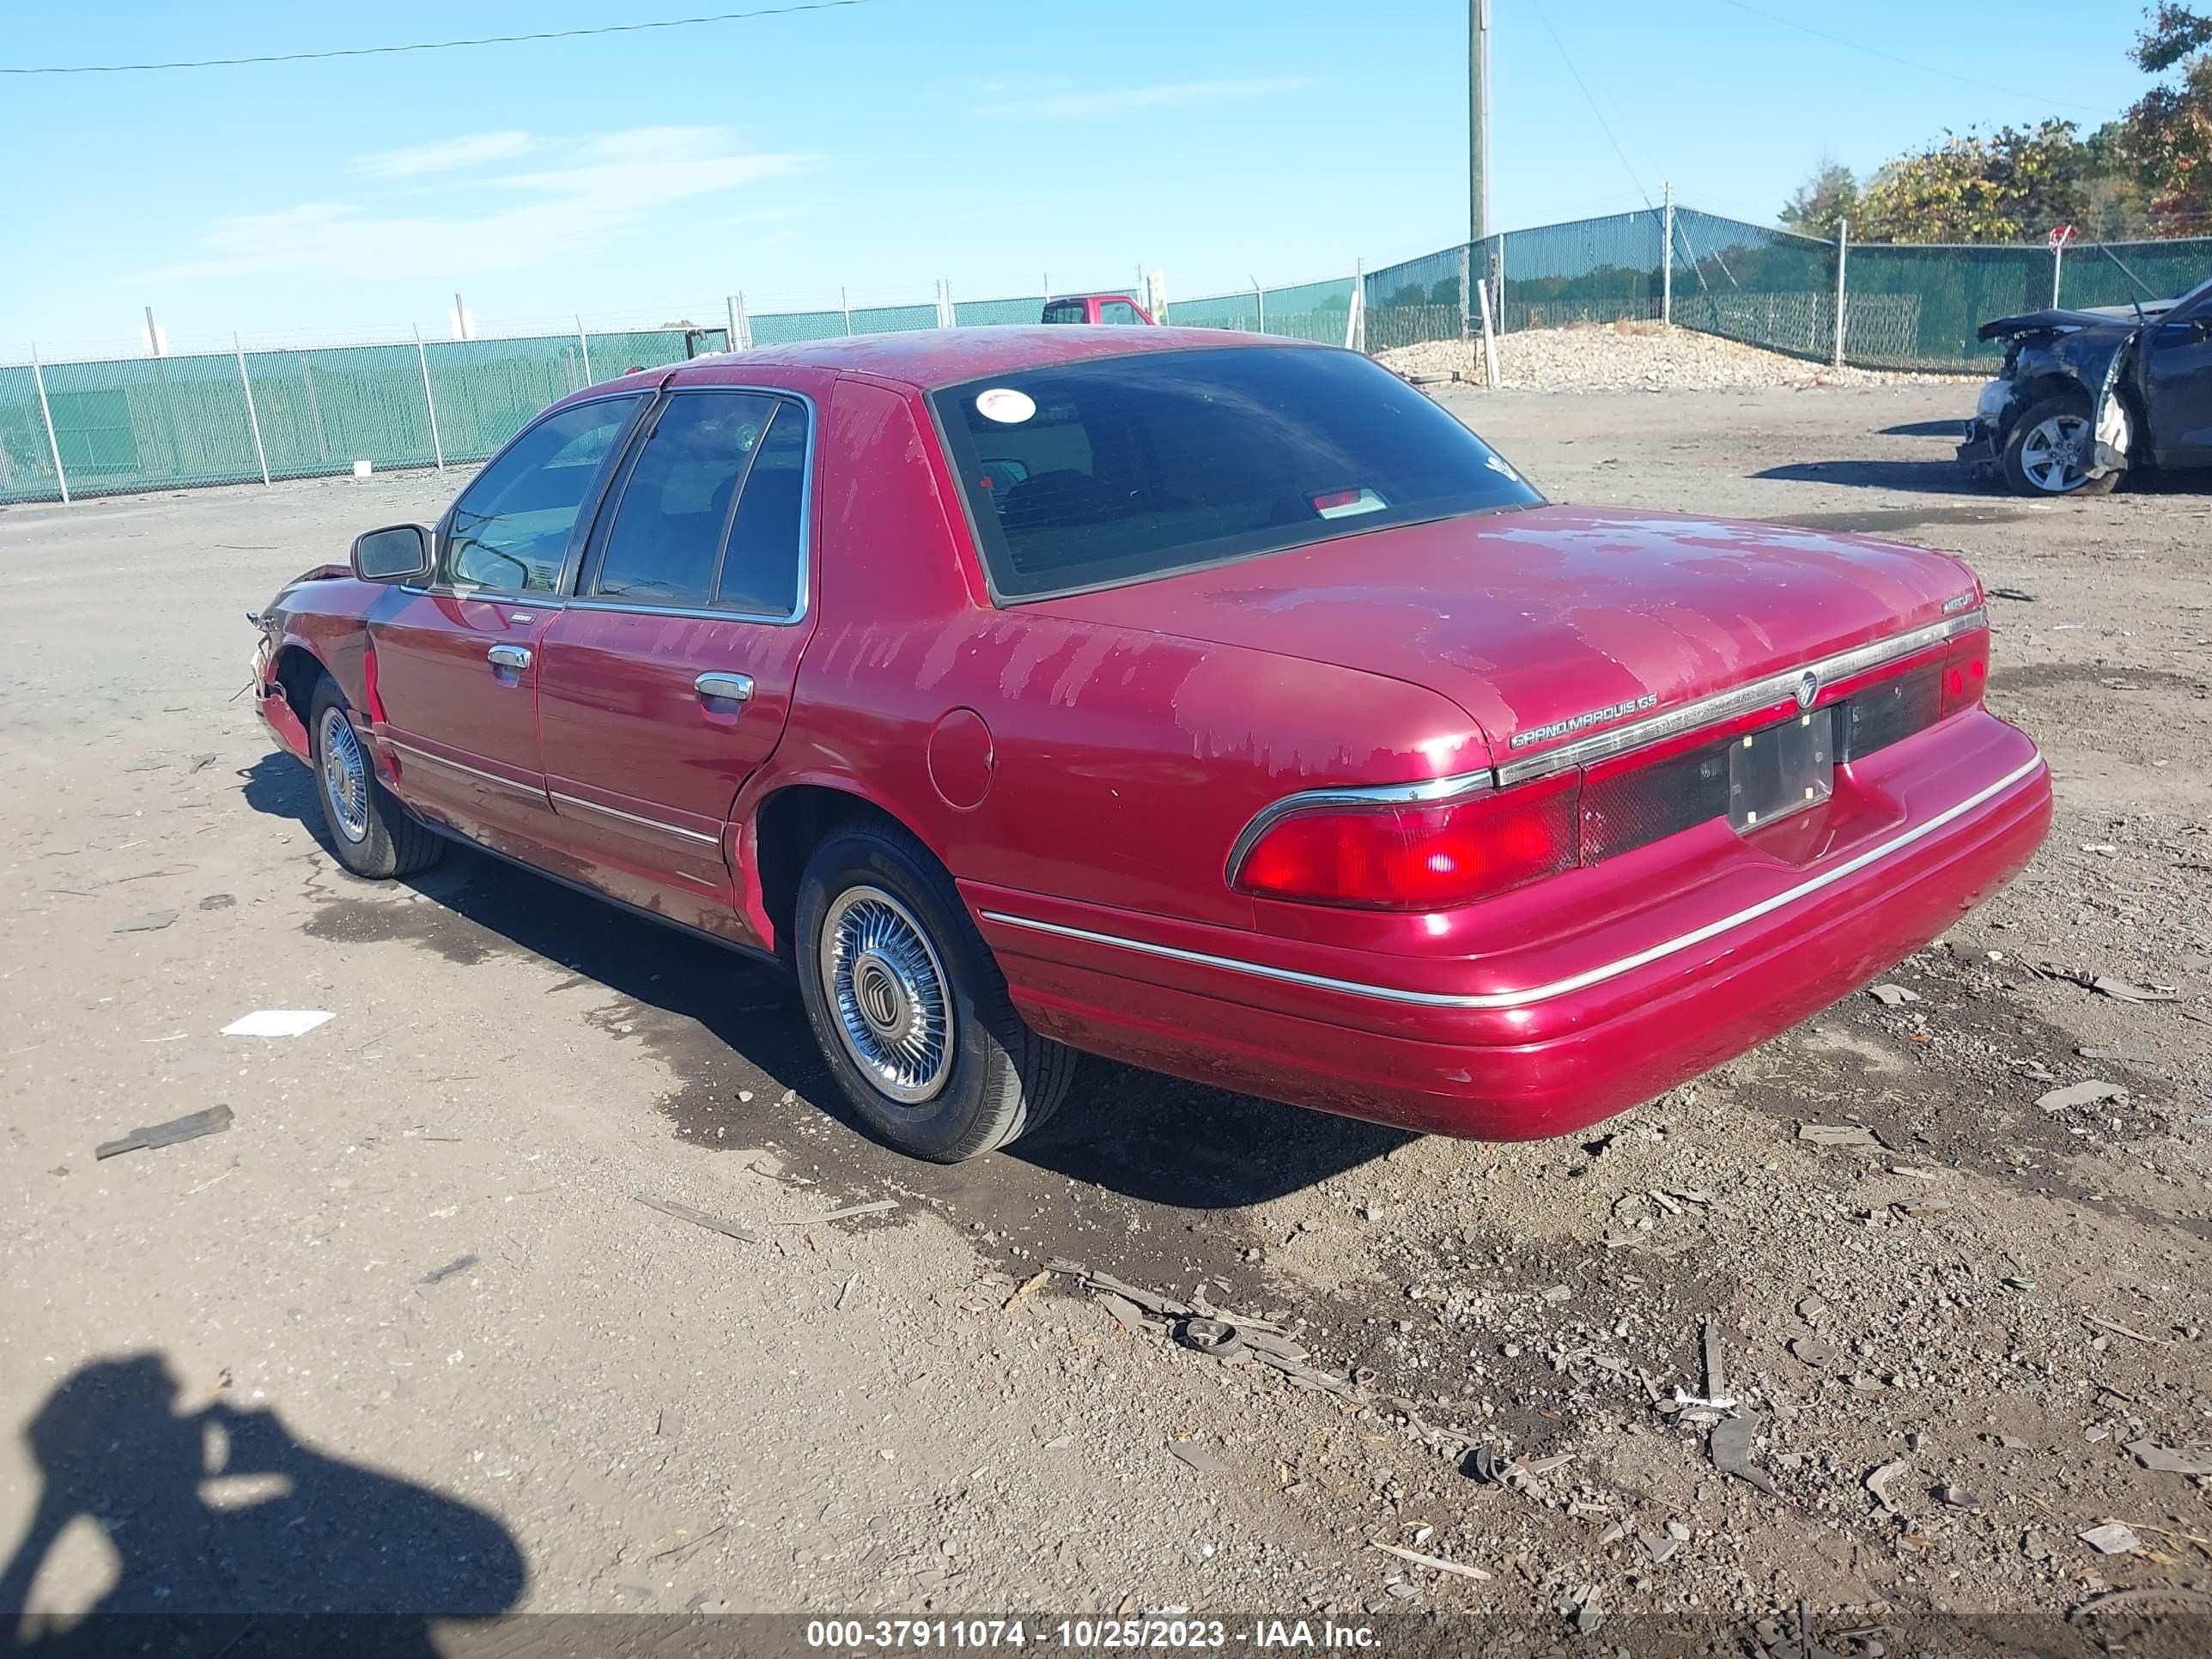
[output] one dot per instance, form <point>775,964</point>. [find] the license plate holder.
<point>1780,770</point>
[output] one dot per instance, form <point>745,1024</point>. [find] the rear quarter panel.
<point>1122,764</point>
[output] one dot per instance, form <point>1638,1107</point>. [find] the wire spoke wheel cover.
<point>889,992</point>
<point>2054,454</point>
<point>345,775</point>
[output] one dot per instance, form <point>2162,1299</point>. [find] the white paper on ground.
<point>275,1023</point>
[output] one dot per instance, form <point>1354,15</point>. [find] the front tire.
<point>909,1007</point>
<point>372,833</point>
<point>2049,448</point>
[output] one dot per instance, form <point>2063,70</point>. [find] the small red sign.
<point>2061,235</point>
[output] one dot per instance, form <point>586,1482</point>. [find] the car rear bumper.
<point>1689,965</point>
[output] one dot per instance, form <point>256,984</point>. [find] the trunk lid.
<point>1540,618</point>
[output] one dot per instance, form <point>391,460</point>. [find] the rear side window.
<point>760,572</point>
<point>1092,474</point>
<point>673,514</point>
<point>1066,311</point>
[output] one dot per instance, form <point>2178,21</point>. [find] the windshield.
<point>1090,474</point>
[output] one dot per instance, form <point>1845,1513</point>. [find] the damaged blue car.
<point>2087,397</point>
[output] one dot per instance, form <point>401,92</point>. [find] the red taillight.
<point>1966,672</point>
<point>1418,857</point>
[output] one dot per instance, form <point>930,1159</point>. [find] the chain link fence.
<point>1905,305</point>
<point>115,426</point>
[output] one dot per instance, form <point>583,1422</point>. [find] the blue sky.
<point>881,146</point>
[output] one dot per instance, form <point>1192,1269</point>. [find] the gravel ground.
<point>410,1316</point>
<point>1634,356</point>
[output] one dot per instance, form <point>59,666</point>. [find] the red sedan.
<point>1218,704</point>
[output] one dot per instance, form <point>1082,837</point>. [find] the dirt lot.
<point>404,1337</point>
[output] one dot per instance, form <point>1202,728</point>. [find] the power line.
<point>429,45</point>
<point>1913,64</point>
<point>1545,18</point>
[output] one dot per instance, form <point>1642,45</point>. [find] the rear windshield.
<point>1090,474</point>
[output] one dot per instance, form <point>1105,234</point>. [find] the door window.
<point>1118,311</point>
<point>760,572</point>
<point>511,528</point>
<point>675,510</point>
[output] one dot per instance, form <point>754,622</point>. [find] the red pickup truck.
<point>1096,308</point>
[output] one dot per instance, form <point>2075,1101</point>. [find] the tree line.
<point>2148,173</point>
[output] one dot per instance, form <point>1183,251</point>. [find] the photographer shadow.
<point>220,1517</point>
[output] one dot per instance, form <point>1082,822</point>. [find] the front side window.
<point>674,510</point>
<point>1118,311</point>
<point>511,528</point>
<point>1092,474</point>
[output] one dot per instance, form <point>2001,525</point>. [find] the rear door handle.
<point>509,656</point>
<point>724,688</point>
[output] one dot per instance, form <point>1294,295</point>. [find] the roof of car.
<point>947,356</point>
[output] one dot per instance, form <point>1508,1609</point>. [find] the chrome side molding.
<point>1534,994</point>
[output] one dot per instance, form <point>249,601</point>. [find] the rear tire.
<point>2045,453</point>
<point>907,1005</point>
<point>372,833</point>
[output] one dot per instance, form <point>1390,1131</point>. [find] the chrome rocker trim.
<point>1488,999</point>
<point>424,755</point>
<point>675,830</point>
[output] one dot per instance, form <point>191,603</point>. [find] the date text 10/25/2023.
<point>1088,1635</point>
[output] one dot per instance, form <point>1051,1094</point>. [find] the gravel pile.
<point>1629,356</point>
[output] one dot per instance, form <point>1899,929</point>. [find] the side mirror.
<point>393,553</point>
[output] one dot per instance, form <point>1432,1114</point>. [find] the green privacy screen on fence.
<point>172,423</point>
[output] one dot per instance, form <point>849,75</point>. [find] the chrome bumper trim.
<point>1488,999</point>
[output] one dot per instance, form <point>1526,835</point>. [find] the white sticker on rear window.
<point>1006,405</point>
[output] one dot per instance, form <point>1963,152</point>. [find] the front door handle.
<point>509,656</point>
<point>724,688</point>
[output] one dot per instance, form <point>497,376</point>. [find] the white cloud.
<point>610,184</point>
<point>1125,101</point>
<point>445,156</point>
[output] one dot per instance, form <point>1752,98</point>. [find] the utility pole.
<point>1478,119</point>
